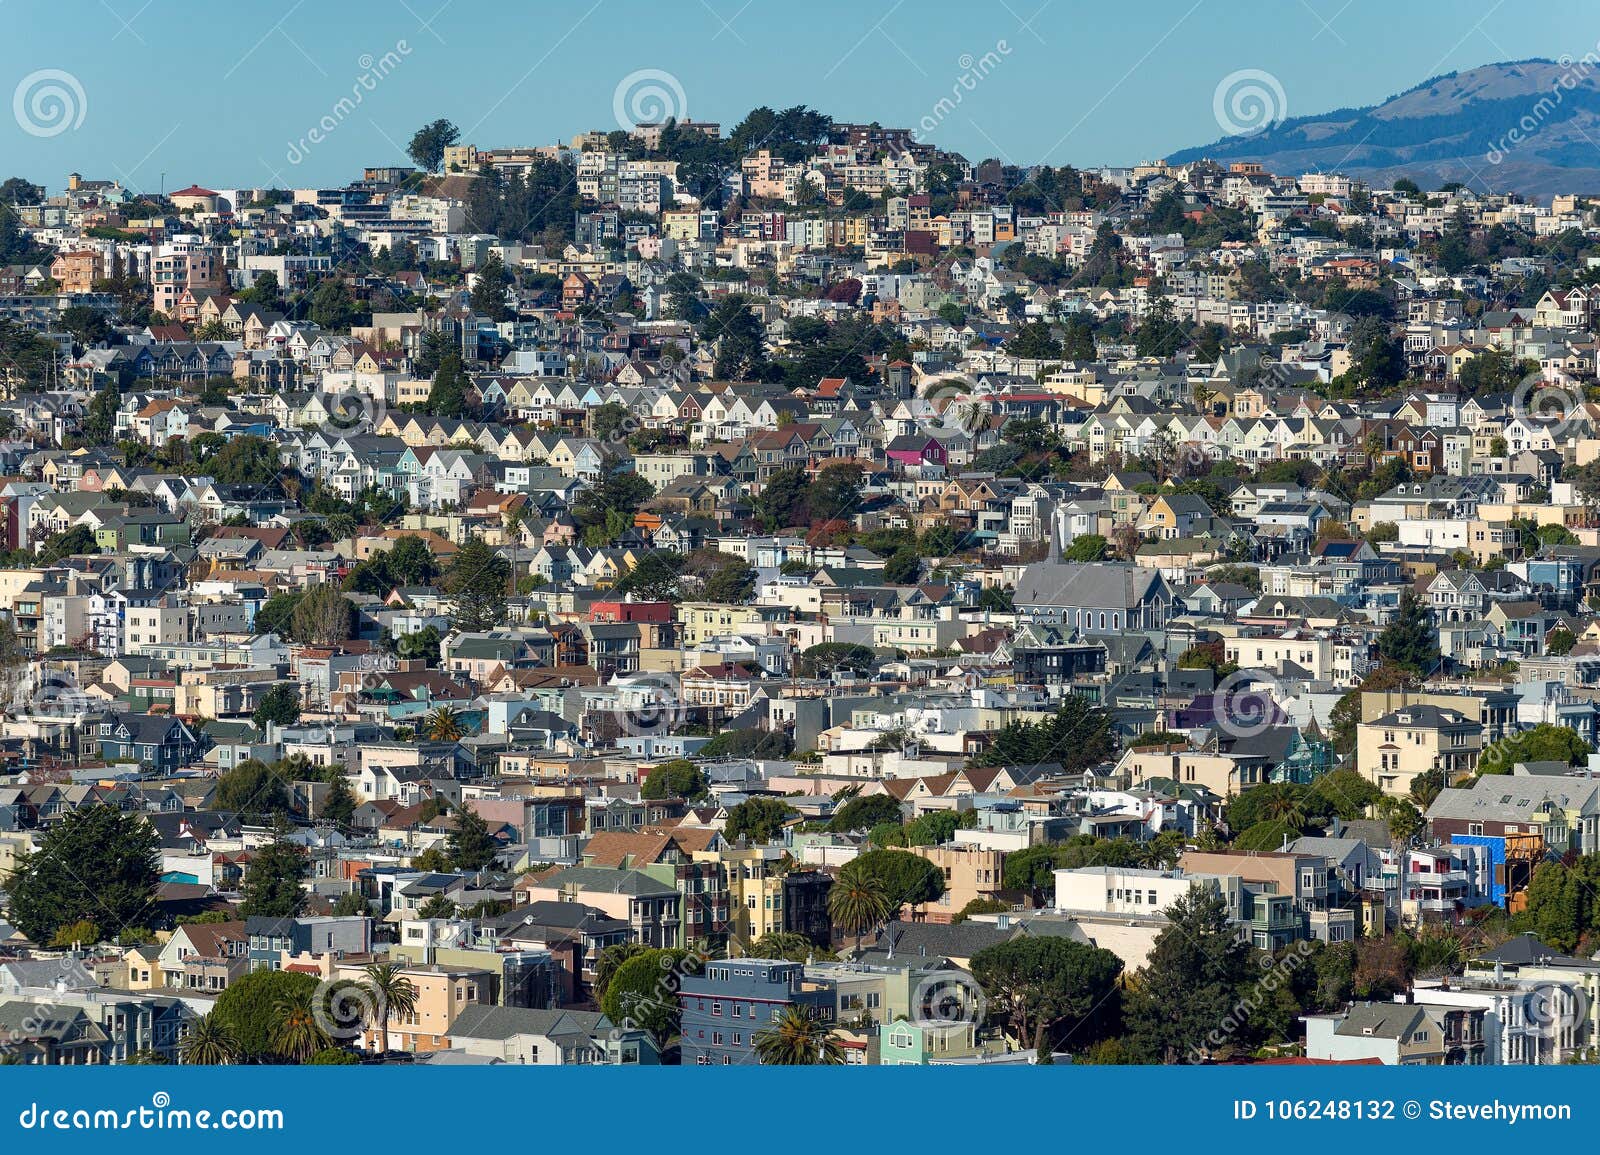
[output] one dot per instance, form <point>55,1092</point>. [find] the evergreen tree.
<point>1193,980</point>
<point>448,395</point>
<point>469,844</point>
<point>271,886</point>
<point>97,864</point>
<point>1409,641</point>
<point>476,582</point>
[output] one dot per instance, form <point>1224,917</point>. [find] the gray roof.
<point>1097,585</point>
<point>478,1021</point>
<point>1516,798</point>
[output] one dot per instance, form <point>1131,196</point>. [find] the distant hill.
<point>1462,126</point>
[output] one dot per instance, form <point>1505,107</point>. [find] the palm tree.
<point>209,1043</point>
<point>392,993</point>
<point>857,900</point>
<point>444,725</point>
<point>298,1035</point>
<point>798,1039</point>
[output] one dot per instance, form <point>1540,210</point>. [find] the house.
<point>728,1003</point>
<point>1399,1034</point>
<point>563,1038</point>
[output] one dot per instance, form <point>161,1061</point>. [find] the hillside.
<point>1462,126</point>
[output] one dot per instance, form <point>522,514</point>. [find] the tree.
<point>323,616</point>
<point>1050,990</point>
<point>836,491</point>
<point>437,906</point>
<point>798,1039</point>
<point>679,778</point>
<point>298,1033</point>
<point>476,583</point>
<point>72,935</point>
<point>612,957</point>
<point>391,993</point>
<point>271,886</point>
<point>1034,341</point>
<point>489,291</point>
<point>1077,736</point>
<point>469,843</point>
<point>447,397</point>
<point>444,725</point>
<point>936,827</point>
<point>1192,981</point>
<point>981,906</point>
<point>334,1057</point>
<point>279,705</point>
<point>782,500</point>
<point>210,1042</point>
<point>429,142</point>
<point>654,578</point>
<point>339,803</point>
<point>758,820</point>
<point>858,900</point>
<point>248,1007</point>
<point>865,813</point>
<point>748,744</point>
<point>332,306</point>
<point>902,568</point>
<point>643,992</point>
<point>786,945</point>
<point>908,879</point>
<point>1543,743</point>
<point>1409,641</point>
<point>351,904</point>
<point>825,659</point>
<point>735,332</point>
<point>409,562</point>
<point>1085,547</point>
<point>732,585</point>
<point>254,791</point>
<point>98,864</point>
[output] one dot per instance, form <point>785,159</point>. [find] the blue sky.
<point>153,87</point>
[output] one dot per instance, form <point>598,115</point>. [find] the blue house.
<point>159,741</point>
<point>732,1001</point>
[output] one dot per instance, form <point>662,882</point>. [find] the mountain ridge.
<point>1528,126</point>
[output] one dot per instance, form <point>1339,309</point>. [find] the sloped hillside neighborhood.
<point>781,593</point>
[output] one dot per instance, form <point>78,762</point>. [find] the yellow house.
<point>1393,748</point>
<point>702,620</point>
<point>970,872</point>
<point>442,992</point>
<point>755,889</point>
